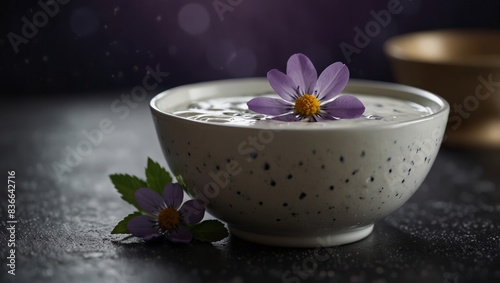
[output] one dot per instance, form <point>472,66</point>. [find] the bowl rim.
<point>353,84</point>
<point>391,52</point>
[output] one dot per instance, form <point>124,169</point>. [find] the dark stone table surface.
<point>449,231</point>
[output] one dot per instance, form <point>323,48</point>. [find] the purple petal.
<point>325,116</point>
<point>302,72</point>
<point>143,227</point>
<point>192,211</point>
<point>173,195</point>
<point>180,235</point>
<point>149,200</point>
<point>345,106</point>
<point>291,117</point>
<point>283,85</point>
<point>270,106</point>
<point>332,81</point>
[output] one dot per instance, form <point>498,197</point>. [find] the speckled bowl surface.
<point>299,185</point>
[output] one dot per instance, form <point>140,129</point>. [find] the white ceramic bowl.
<point>299,184</point>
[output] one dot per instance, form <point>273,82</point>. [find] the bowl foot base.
<point>326,240</point>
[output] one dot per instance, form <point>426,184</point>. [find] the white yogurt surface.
<point>234,110</point>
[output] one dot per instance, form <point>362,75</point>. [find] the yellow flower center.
<point>307,105</point>
<point>168,219</point>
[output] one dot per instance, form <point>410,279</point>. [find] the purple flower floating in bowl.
<point>305,96</point>
<point>166,217</point>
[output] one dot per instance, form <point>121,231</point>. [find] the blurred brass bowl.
<point>462,66</point>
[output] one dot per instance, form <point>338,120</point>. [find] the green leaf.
<point>126,185</point>
<point>157,177</point>
<point>121,227</point>
<point>209,231</point>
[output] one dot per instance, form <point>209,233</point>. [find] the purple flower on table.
<point>166,218</point>
<point>305,96</point>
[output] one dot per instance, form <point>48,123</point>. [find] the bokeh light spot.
<point>193,18</point>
